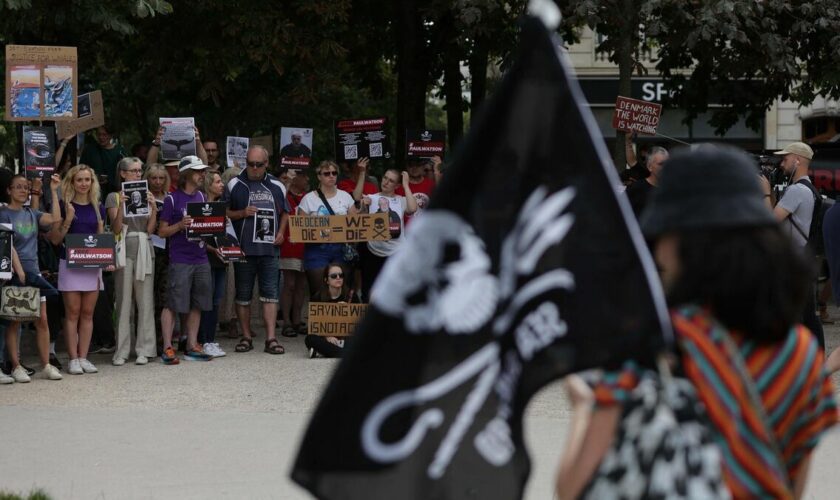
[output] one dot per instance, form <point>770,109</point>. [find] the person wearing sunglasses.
<point>256,192</point>
<point>316,256</point>
<point>333,289</point>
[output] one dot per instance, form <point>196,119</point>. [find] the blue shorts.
<point>318,255</point>
<point>265,269</point>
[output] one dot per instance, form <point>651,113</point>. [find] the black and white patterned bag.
<point>663,447</point>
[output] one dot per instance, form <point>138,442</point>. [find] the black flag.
<point>525,267</point>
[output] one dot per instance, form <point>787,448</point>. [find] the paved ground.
<point>224,429</point>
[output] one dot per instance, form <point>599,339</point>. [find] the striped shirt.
<point>795,389</point>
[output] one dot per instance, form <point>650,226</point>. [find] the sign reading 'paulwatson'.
<point>424,143</point>
<point>86,251</point>
<point>361,138</point>
<point>633,115</point>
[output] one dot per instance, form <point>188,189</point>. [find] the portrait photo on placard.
<point>136,199</point>
<point>264,226</point>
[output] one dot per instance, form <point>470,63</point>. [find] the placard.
<point>361,138</point>
<point>208,218</point>
<point>264,227</point>
<point>633,115</point>
<point>6,242</point>
<point>334,319</point>
<point>41,83</point>
<point>38,151</point>
<point>229,247</point>
<point>90,251</point>
<point>178,138</point>
<point>237,151</point>
<point>91,116</point>
<point>296,147</point>
<point>425,143</point>
<point>136,199</point>
<point>339,228</point>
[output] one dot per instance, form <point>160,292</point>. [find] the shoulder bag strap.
<point>326,203</point>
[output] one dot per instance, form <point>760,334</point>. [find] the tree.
<point>746,53</point>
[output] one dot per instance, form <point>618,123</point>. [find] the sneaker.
<point>5,379</point>
<point>20,375</point>
<point>141,360</point>
<point>118,361</point>
<point>29,371</point>
<point>213,349</point>
<point>55,362</point>
<point>169,357</point>
<point>75,368</point>
<point>87,366</point>
<point>51,373</point>
<point>197,354</point>
<point>312,353</point>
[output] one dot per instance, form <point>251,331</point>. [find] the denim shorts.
<point>265,269</point>
<point>318,255</point>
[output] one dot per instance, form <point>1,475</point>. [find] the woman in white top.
<point>397,207</point>
<point>134,283</point>
<point>316,256</point>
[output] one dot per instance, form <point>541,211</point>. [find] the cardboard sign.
<point>38,151</point>
<point>237,151</point>
<point>633,115</point>
<point>208,218</point>
<point>91,116</point>
<point>296,150</point>
<point>136,199</point>
<point>90,251</point>
<point>361,138</point>
<point>331,319</point>
<point>338,228</point>
<point>266,141</point>
<point>41,83</point>
<point>6,241</point>
<point>178,138</point>
<point>425,143</point>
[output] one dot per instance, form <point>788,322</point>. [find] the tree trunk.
<point>478,72</point>
<point>411,74</point>
<point>454,100</point>
<point>624,55</point>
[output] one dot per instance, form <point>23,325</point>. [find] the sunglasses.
<point>256,164</point>
<point>335,276</point>
<point>331,173</point>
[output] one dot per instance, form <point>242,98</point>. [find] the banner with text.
<point>178,138</point>
<point>361,138</point>
<point>38,151</point>
<point>339,228</point>
<point>85,251</point>
<point>425,143</point>
<point>91,115</point>
<point>208,218</point>
<point>334,319</point>
<point>296,149</point>
<point>41,83</point>
<point>633,115</point>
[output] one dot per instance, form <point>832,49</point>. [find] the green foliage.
<point>743,52</point>
<point>33,495</point>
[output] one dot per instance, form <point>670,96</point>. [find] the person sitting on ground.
<point>334,290</point>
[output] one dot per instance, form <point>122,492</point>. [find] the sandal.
<point>289,331</point>
<point>245,344</point>
<point>273,347</point>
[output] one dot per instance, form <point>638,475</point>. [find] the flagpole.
<point>673,139</point>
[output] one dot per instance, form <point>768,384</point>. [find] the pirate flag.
<point>527,266</point>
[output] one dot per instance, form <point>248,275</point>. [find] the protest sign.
<point>339,228</point>
<point>236,151</point>
<point>424,143</point>
<point>136,199</point>
<point>91,115</point>
<point>334,319</point>
<point>208,218</point>
<point>229,247</point>
<point>38,151</point>
<point>297,147</point>
<point>85,251</point>
<point>6,241</point>
<point>178,138</point>
<point>633,115</point>
<point>361,138</point>
<point>41,83</point>
<point>264,227</point>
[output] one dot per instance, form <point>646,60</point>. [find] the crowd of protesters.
<point>167,292</point>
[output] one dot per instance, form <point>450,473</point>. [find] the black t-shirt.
<point>639,193</point>
<point>638,172</point>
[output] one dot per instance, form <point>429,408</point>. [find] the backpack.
<point>815,238</point>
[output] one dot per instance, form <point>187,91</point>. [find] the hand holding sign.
<point>55,181</point>
<point>633,115</point>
